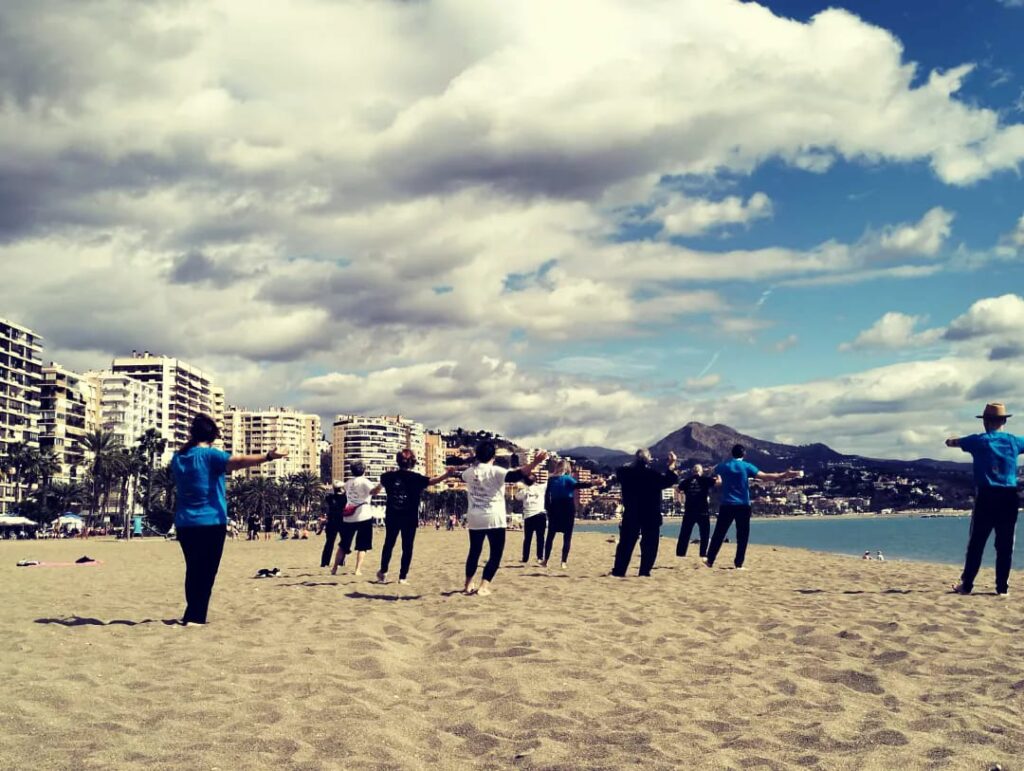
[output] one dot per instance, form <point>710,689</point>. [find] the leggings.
<point>392,529</point>
<point>330,533</point>
<point>566,541</point>
<point>496,538</point>
<point>534,526</point>
<point>202,547</point>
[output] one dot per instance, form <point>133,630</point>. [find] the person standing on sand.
<point>696,510</point>
<point>531,495</point>
<point>734,476</point>
<point>357,520</point>
<point>334,508</point>
<point>201,510</point>
<point>402,511</point>
<point>486,517</point>
<point>994,454</point>
<point>560,502</point>
<point>641,515</point>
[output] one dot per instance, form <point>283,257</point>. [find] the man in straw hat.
<point>995,504</point>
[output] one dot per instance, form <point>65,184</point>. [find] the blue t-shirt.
<point>995,457</point>
<point>562,488</point>
<point>199,476</point>
<point>735,476</point>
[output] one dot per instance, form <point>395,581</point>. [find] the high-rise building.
<point>20,377</point>
<point>256,432</point>
<point>375,441</point>
<point>65,410</point>
<point>183,391</point>
<point>217,405</point>
<point>127,407</point>
<point>434,454</point>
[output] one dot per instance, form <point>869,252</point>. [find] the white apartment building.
<point>218,405</point>
<point>66,415</point>
<point>183,391</point>
<point>375,441</point>
<point>255,432</point>
<point>20,378</point>
<point>128,407</point>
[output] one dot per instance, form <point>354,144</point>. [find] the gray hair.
<point>698,469</point>
<point>643,455</point>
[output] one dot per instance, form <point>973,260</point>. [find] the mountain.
<point>698,443</point>
<point>602,456</point>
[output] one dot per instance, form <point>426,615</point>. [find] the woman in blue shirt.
<point>201,513</point>
<point>560,503</point>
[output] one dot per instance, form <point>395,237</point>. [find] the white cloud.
<point>682,215</point>
<point>785,343</point>
<point>894,331</point>
<point>923,238</point>
<point>991,316</point>
<point>700,384</point>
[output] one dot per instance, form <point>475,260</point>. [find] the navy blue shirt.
<point>995,457</point>
<point>199,477</point>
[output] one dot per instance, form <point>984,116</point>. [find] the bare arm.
<point>236,462</point>
<point>448,472</point>
<point>528,468</point>
<point>780,476</point>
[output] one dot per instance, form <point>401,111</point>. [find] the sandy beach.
<point>805,660</point>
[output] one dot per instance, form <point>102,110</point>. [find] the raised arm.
<point>517,474</point>
<point>780,476</point>
<point>448,472</point>
<point>236,462</point>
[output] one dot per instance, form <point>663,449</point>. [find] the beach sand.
<point>805,660</point>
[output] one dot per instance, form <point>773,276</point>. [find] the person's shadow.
<point>84,621</point>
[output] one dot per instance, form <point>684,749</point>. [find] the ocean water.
<point>903,538</point>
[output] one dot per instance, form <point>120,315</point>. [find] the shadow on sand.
<point>385,597</point>
<point>83,621</point>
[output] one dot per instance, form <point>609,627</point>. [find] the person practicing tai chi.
<point>734,476</point>
<point>996,505</point>
<point>560,502</point>
<point>357,522</point>
<point>402,511</point>
<point>531,495</point>
<point>641,515</point>
<point>201,509</point>
<point>696,510</point>
<point>334,508</point>
<point>486,517</point>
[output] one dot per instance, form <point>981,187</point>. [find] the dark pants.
<point>331,532</point>
<point>649,534</point>
<point>202,547</point>
<point>561,518</point>
<point>496,539</point>
<point>703,523</point>
<point>727,514</point>
<point>392,529</point>
<point>994,509</point>
<point>534,527</point>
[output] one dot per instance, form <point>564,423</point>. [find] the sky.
<point>572,222</point>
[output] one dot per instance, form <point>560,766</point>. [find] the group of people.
<point>201,515</point>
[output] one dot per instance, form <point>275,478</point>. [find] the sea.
<point>937,539</point>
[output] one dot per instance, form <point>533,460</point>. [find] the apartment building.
<point>255,432</point>
<point>20,391</point>
<point>183,391</point>
<point>434,454</point>
<point>128,407</point>
<point>375,441</point>
<point>218,407</point>
<point>65,410</point>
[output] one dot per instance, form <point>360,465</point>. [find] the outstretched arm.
<point>448,472</point>
<point>952,442</point>
<point>236,462</point>
<point>518,474</point>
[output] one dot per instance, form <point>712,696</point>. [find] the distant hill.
<point>700,443</point>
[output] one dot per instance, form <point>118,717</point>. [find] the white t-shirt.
<point>532,497</point>
<point>485,489</point>
<point>358,492</point>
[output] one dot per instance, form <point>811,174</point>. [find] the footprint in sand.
<point>852,679</point>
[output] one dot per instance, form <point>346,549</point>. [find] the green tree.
<point>101,446</point>
<point>305,490</point>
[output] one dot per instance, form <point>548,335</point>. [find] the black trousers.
<point>648,532</point>
<point>703,523</point>
<point>495,537</point>
<point>330,533</point>
<point>727,514</point>
<point>534,527</point>
<point>393,529</point>
<point>995,508</point>
<point>202,547</point>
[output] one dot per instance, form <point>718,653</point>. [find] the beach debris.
<point>267,573</point>
<point>84,559</point>
<point>27,563</point>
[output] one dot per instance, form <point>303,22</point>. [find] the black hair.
<point>738,451</point>
<point>485,451</point>
<point>358,468</point>
<point>202,431</point>
<point>406,459</point>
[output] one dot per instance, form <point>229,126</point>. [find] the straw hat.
<point>995,410</point>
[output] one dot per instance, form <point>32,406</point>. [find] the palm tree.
<point>62,496</point>
<point>162,503</point>
<point>259,496</point>
<point>305,489</point>
<point>20,458</point>
<point>100,445</point>
<point>152,446</point>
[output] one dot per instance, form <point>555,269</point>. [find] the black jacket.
<point>641,491</point>
<point>334,503</point>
